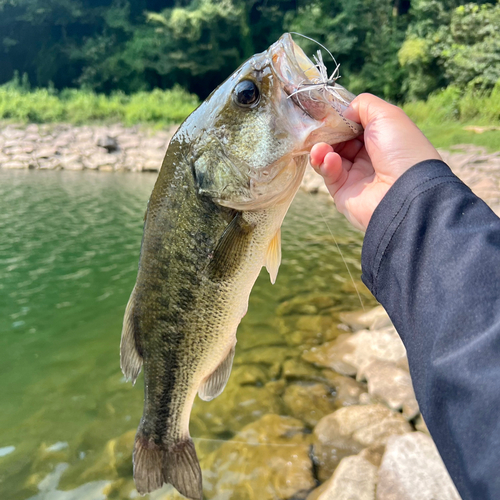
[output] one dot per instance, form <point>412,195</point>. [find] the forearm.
<point>432,257</point>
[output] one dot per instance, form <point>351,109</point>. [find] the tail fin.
<point>176,464</point>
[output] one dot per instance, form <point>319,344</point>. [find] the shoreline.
<point>117,148</point>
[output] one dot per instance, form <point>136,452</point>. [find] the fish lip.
<point>285,55</point>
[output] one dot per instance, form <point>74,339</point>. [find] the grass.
<point>159,107</point>
<point>444,116</point>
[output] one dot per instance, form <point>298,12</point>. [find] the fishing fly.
<point>323,83</point>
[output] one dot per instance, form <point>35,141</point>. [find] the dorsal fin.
<point>130,359</point>
<point>273,256</point>
<point>215,383</point>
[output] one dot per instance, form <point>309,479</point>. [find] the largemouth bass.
<point>213,220</point>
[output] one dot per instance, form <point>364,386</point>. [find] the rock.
<point>267,460</point>
<point>348,430</point>
<point>113,462</point>
<point>14,165</point>
<point>97,160</point>
<point>45,152</point>
<point>375,319</point>
<point>420,425</point>
<point>151,166</point>
<point>110,144</point>
<point>296,369</point>
<point>310,304</point>
<point>392,385</point>
<point>250,375</point>
<point>237,406</point>
<point>309,402</point>
<point>354,479</point>
<point>351,353</point>
<point>412,469</point>
<point>266,355</point>
<point>347,390</point>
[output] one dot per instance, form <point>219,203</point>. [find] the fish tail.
<point>175,464</point>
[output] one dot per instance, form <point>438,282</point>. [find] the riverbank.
<point>118,148</point>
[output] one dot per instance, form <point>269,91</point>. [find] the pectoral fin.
<point>273,256</point>
<point>130,359</point>
<point>215,383</point>
<point>231,248</point>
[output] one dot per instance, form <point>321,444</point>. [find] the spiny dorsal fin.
<point>215,383</point>
<point>273,256</point>
<point>130,359</point>
<point>231,247</point>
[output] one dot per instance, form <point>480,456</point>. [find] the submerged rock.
<point>237,406</point>
<point>348,430</point>
<point>413,470</point>
<point>354,479</point>
<point>267,460</point>
<point>309,402</point>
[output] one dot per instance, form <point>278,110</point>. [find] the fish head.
<point>250,139</point>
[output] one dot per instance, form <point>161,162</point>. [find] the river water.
<point>69,248</point>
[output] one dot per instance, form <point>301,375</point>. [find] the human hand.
<point>359,172</point>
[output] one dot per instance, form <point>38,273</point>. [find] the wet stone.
<point>392,385</point>
<point>349,354</point>
<point>412,469</point>
<point>268,459</point>
<point>309,402</point>
<point>359,320</point>
<point>348,430</point>
<point>347,389</point>
<point>354,479</point>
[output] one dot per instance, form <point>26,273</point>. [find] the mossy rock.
<point>310,304</point>
<point>309,402</point>
<point>268,459</point>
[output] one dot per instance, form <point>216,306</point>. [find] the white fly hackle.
<point>323,86</point>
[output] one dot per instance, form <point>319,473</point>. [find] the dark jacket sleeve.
<point>431,257</point>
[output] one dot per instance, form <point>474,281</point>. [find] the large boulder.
<point>350,354</point>
<point>412,469</point>
<point>354,479</point>
<point>268,459</point>
<point>348,430</point>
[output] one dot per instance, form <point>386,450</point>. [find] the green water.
<point>69,248</point>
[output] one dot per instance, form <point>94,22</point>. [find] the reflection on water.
<point>69,248</point>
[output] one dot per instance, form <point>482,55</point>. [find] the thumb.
<point>366,107</point>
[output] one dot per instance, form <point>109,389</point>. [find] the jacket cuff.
<point>391,211</point>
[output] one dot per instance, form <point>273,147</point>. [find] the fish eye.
<point>246,93</point>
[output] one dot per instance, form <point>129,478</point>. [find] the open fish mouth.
<point>307,83</point>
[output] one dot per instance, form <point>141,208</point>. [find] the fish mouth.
<point>310,89</point>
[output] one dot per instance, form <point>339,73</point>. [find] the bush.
<point>463,106</point>
<point>161,107</point>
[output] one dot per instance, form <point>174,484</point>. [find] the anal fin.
<point>130,359</point>
<point>215,383</point>
<point>273,256</point>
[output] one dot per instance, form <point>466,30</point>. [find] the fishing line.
<point>340,252</point>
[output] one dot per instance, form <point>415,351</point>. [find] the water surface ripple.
<point>69,249</point>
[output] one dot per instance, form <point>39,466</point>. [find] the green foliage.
<point>159,107</point>
<point>451,43</point>
<point>399,49</point>
<point>453,104</point>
